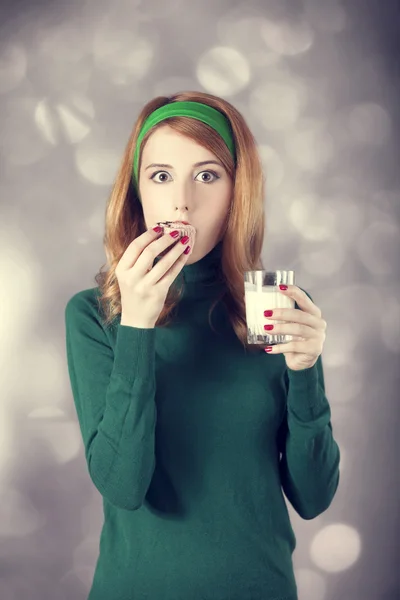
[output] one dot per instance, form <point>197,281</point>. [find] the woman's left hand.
<point>306,324</point>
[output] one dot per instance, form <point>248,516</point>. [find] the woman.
<point>190,434</point>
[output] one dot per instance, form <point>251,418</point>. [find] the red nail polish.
<point>268,349</point>
<point>268,313</point>
<point>283,287</point>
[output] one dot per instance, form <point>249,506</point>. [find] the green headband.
<point>195,110</point>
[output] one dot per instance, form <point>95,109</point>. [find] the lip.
<point>184,222</point>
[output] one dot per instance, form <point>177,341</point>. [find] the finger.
<point>300,347</point>
<point>135,248</point>
<point>296,329</point>
<point>167,268</point>
<point>294,315</point>
<point>145,259</point>
<point>305,303</point>
<point>166,243</point>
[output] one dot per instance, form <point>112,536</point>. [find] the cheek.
<point>151,194</point>
<point>218,197</point>
<point>145,187</point>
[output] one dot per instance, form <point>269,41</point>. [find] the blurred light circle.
<point>369,124</point>
<point>68,42</point>
<point>20,141</point>
<point>312,219</point>
<point>310,585</point>
<point>148,10</point>
<point>223,71</point>
<point>345,203</point>
<point>287,38</point>
<point>58,59</point>
<point>340,346</point>
<point>336,547</point>
<point>277,105</point>
<point>86,553</point>
<point>126,58</point>
<point>324,258</point>
<point>247,33</point>
<point>68,121</point>
<point>171,85</point>
<point>16,585</point>
<point>262,59</point>
<point>390,319</point>
<point>76,581</point>
<point>23,273</point>
<point>13,64</point>
<point>384,201</point>
<point>378,247</point>
<point>94,225</point>
<point>62,438</point>
<point>272,167</point>
<point>360,304</point>
<point>47,412</point>
<point>96,162</point>
<point>310,147</point>
<point>7,436</point>
<point>90,519</point>
<point>19,517</point>
<point>44,358</point>
<point>325,16</point>
<point>343,465</point>
<point>85,574</point>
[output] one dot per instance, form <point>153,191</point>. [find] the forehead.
<point>166,142</point>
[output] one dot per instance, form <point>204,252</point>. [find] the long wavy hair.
<point>244,230</point>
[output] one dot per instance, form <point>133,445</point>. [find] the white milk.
<point>256,303</point>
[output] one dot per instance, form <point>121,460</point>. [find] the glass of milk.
<point>261,292</point>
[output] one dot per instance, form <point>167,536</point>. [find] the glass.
<point>261,292</point>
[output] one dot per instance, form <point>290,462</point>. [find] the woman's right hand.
<point>143,292</point>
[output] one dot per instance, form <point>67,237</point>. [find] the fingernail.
<point>268,313</point>
<point>268,349</point>
<point>157,229</point>
<point>187,250</point>
<point>283,287</point>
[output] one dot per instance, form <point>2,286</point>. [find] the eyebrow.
<point>198,164</point>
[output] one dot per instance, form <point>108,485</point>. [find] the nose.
<point>182,197</point>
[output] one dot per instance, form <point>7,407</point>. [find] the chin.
<point>192,258</point>
<point>196,255</point>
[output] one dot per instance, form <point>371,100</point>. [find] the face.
<point>181,191</point>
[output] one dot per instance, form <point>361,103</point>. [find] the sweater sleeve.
<point>309,467</point>
<point>114,396</point>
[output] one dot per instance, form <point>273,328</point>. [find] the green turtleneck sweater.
<point>190,442</point>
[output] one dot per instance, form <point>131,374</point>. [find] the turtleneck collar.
<point>203,278</point>
<point>205,270</point>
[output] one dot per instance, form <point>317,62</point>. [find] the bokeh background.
<point>318,82</point>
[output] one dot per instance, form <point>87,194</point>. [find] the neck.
<point>206,269</point>
<point>203,278</point>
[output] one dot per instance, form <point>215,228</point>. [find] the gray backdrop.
<point>318,82</point>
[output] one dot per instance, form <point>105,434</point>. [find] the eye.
<point>216,176</point>
<point>158,173</point>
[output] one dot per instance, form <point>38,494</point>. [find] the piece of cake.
<point>184,229</point>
